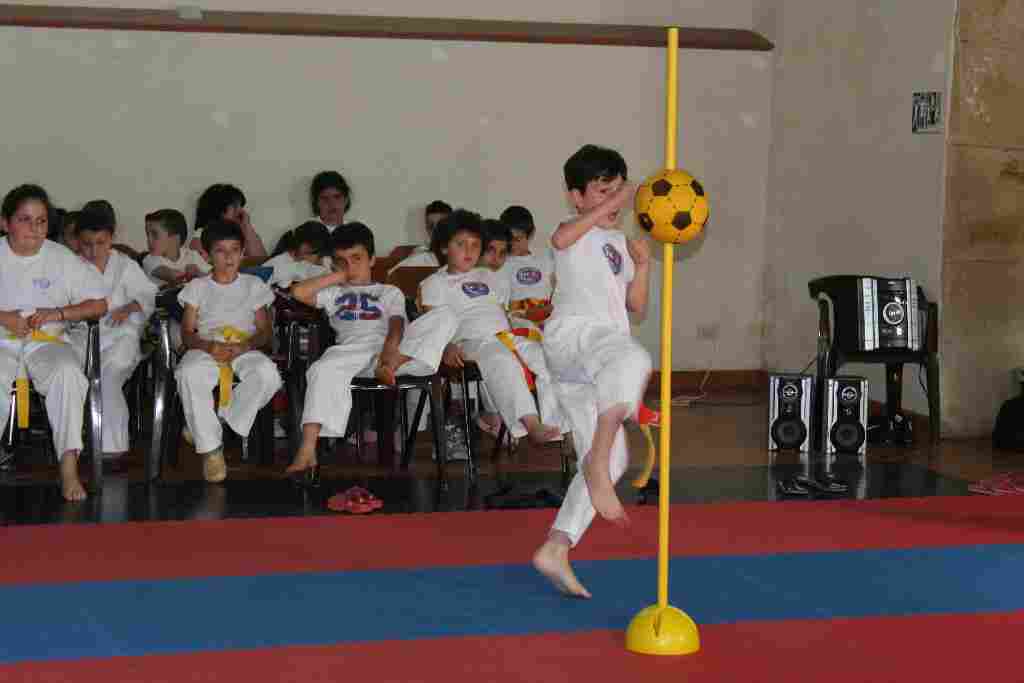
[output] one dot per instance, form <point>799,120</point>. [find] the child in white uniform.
<point>422,256</point>
<point>130,301</point>
<point>532,275</point>
<point>301,253</point>
<point>601,371</point>
<point>43,286</point>
<point>169,261</point>
<point>372,338</point>
<point>478,297</point>
<point>226,320</point>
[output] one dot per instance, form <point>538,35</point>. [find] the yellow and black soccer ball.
<point>671,205</point>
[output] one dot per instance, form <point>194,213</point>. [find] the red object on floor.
<point>355,500</point>
<point>928,648</point>
<point>646,416</point>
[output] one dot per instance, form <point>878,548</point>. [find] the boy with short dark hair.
<point>494,250</point>
<point>170,261</point>
<point>225,323</point>
<point>532,275</point>
<point>478,297</point>
<point>372,338</point>
<point>601,371</point>
<point>423,255</point>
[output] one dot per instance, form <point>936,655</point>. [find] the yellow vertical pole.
<point>665,428</point>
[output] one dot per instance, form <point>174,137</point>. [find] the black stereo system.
<point>872,313</point>
<point>790,404</point>
<point>845,420</point>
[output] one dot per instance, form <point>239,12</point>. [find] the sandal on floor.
<point>356,500</point>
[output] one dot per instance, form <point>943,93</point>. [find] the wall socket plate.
<point>709,331</point>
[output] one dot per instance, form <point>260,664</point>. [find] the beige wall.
<point>851,189</point>
<point>983,249</point>
<point>147,120</point>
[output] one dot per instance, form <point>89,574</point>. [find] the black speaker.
<point>845,420</point>
<point>873,313</point>
<point>790,402</point>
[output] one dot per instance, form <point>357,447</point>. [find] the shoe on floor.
<point>215,469</point>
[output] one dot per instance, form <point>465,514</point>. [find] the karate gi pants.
<point>55,372</point>
<point>118,360</point>
<point>594,367</point>
<point>198,375</point>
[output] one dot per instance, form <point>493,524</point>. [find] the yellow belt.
<point>232,335</point>
<point>528,307</point>
<point>507,337</point>
<point>21,383</point>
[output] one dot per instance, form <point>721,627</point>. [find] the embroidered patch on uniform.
<point>41,283</point>
<point>475,289</point>
<point>528,276</point>
<point>614,258</point>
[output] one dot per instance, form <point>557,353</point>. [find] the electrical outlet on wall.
<point>708,331</point>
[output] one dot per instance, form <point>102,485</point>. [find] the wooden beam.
<point>353,26</point>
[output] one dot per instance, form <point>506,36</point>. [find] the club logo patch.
<point>614,258</point>
<point>528,276</point>
<point>475,289</point>
<point>41,283</point>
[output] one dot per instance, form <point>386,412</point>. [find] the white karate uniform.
<point>360,316</point>
<point>53,277</point>
<point>421,257</point>
<point>287,270</point>
<point>125,282</point>
<point>595,362</point>
<point>478,299</point>
<point>530,276</point>
<point>186,257</point>
<point>218,305</point>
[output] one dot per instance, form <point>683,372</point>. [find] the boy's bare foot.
<point>602,490</point>
<point>385,375</point>
<point>70,485</point>
<point>489,423</point>
<point>304,459</point>
<point>552,561</point>
<point>539,432</point>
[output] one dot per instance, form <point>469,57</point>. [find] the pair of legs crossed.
<point>600,375</point>
<point>328,401</point>
<point>56,372</point>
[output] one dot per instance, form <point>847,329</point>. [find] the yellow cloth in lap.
<point>506,337</point>
<point>21,383</point>
<point>232,335</point>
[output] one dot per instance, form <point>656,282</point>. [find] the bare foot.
<point>304,459</point>
<point>552,561</point>
<point>539,432</point>
<point>602,490</point>
<point>489,423</point>
<point>70,485</point>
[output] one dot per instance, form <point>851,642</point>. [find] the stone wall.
<point>983,235</point>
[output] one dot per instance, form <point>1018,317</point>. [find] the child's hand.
<point>453,356</point>
<point>221,352</point>
<point>640,251</point>
<point>119,315</point>
<point>21,327</point>
<point>614,202</point>
<point>42,317</point>
<point>244,220</point>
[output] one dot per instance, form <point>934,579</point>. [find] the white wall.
<point>851,190</point>
<point>147,120</point>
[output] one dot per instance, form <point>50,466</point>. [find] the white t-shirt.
<point>124,283</point>
<point>54,277</point>
<point>287,270</point>
<point>530,275</point>
<point>478,298</point>
<point>593,275</point>
<point>361,313</point>
<point>421,257</point>
<point>186,257</point>
<point>234,304</point>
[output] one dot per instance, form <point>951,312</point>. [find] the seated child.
<point>44,286</point>
<point>330,198</point>
<point>223,202</point>
<point>532,276</point>
<point>299,255</point>
<point>372,338</point>
<point>69,231</point>
<point>424,255</point>
<point>494,250</point>
<point>600,370</point>
<point>478,297</point>
<point>169,261</point>
<point>130,300</point>
<point>226,321</point>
